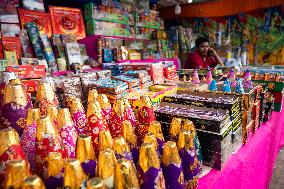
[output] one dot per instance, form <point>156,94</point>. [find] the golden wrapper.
<point>104,102</point>
<point>45,126</point>
<point>175,127</point>
<point>146,101</point>
<point>75,105</point>
<point>15,81</point>
<point>15,94</point>
<point>32,182</point>
<point>55,164</point>
<point>189,126</point>
<point>185,140</point>
<point>126,103</point>
<point>52,112</point>
<point>84,148</point>
<point>16,172</point>
<point>106,163</point>
<point>8,137</point>
<point>96,183</point>
<point>69,100</point>
<point>128,133</point>
<point>105,140</point>
<point>151,138</point>
<point>156,128</point>
<point>170,154</point>
<point>64,118</point>
<point>45,92</point>
<point>148,157</point>
<point>33,115</point>
<point>92,95</point>
<point>119,107</point>
<point>120,146</point>
<point>74,175</point>
<point>94,108</point>
<point>125,175</point>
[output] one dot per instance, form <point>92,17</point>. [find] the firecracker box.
<point>31,85</point>
<point>28,71</point>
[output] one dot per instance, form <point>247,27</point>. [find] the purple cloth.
<point>135,155</point>
<point>127,156</point>
<point>54,182</point>
<point>149,178</point>
<point>89,168</point>
<point>172,175</point>
<point>161,144</point>
<point>252,166</point>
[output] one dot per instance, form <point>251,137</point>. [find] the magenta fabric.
<point>252,166</point>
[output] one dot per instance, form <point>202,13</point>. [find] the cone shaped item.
<point>45,97</point>
<point>106,167</point>
<point>96,122</point>
<point>93,95</point>
<point>54,174</point>
<point>149,167</point>
<point>175,128</point>
<point>156,128</point>
<point>78,114</point>
<point>16,172</point>
<point>105,140</point>
<point>172,166</point>
<point>10,148</point>
<point>190,164</point>
<point>116,118</point>
<point>32,182</point>
<point>125,175</point>
<point>74,175</point>
<point>15,107</point>
<point>28,139</point>
<point>86,155</point>
<point>67,131</point>
<point>105,105</point>
<point>96,183</point>
<point>129,113</point>
<point>121,149</point>
<point>52,112</point>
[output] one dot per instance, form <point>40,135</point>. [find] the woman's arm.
<point>215,54</point>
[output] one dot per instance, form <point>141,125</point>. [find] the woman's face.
<point>203,48</point>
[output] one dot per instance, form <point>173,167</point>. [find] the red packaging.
<point>31,85</point>
<point>12,44</point>
<point>28,71</point>
<point>1,51</point>
<point>278,96</point>
<point>66,20</point>
<point>41,19</point>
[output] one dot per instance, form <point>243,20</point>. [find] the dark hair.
<point>200,40</point>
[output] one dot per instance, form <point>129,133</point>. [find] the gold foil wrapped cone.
<point>45,126</point>
<point>92,95</point>
<point>148,157</point>
<point>119,107</point>
<point>84,148</point>
<point>74,175</point>
<point>156,129</point>
<point>126,103</point>
<point>185,140</point>
<point>52,112</point>
<point>32,182</point>
<point>96,183</point>
<point>94,108</point>
<point>16,172</point>
<point>55,164</point>
<point>105,140</point>
<point>189,126</point>
<point>170,154</point>
<point>106,164</point>
<point>125,175</point>
<point>64,118</point>
<point>15,93</point>
<point>128,133</point>
<point>120,146</point>
<point>146,101</point>
<point>8,137</point>
<point>104,102</point>
<point>33,115</point>
<point>151,138</point>
<point>175,127</point>
<point>15,81</point>
<point>75,105</point>
<point>45,92</point>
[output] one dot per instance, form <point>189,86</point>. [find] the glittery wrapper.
<point>16,172</point>
<point>47,140</point>
<point>52,112</point>
<point>95,183</point>
<point>152,179</point>
<point>15,107</point>
<point>105,105</point>
<point>10,148</point>
<point>105,140</point>
<point>125,175</point>
<point>28,139</point>
<point>116,118</point>
<point>156,129</point>
<point>46,97</point>
<point>129,113</point>
<point>92,95</point>
<point>106,167</point>
<point>121,149</point>
<point>74,176</point>
<point>175,128</point>
<point>67,131</point>
<point>32,182</point>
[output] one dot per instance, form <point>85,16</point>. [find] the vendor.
<point>203,56</point>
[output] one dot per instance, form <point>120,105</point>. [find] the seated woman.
<point>203,56</point>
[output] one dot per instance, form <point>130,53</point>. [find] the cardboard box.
<point>28,71</point>
<point>31,85</point>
